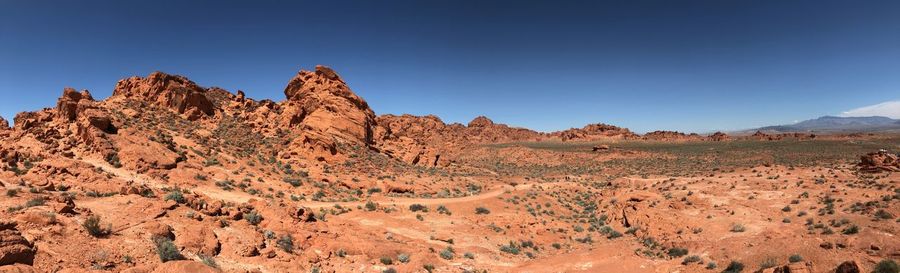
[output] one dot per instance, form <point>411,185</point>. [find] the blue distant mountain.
<point>838,124</point>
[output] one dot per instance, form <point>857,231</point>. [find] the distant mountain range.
<point>835,124</point>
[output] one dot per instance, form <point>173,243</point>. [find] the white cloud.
<point>889,109</point>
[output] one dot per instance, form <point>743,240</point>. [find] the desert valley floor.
<point>169,176</point>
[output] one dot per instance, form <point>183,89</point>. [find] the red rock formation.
<point>718,136</point>
<point>170,91</point>
<point>481,121</point>
<point>71,103</point>
<point>4,125</point>
<point>879,161</point>
<point>592,132</point>
<point>319,101</point>
<point>13,247</point>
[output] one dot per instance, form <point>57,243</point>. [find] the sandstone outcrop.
<point>170,91</point>
<point>880,161</point>
<point>327,112</point>
<point>72,103</point>
<point>718,136</point>
<point>594,132</point>
<point>14,249</point>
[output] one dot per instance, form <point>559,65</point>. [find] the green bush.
<point>511,248</point>
<point>176,195</point>
<point>253,217</point>
<point>482,210</point>
<point>795,258</point>
<point>734,267</point>
<point>887,266</point>
<point>34,202</point>
<point>166,249</point>
<point>208,260</point>
<point>403,257</point>
<point>882,214</point>
<point>691,259</point>
<point>447,253</point>
<point>286,243</point>
<point>852,229</point>
<point>92,225</point>
<point>677,252</point>
<point>418,207</point>
<point>386,261</point>
<point>371,206</point>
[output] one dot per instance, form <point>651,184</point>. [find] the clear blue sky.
<point>647,65</point>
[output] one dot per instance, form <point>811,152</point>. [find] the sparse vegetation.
<point>93,226</point>
<point>166,249</point>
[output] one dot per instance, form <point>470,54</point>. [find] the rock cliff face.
<point>170,91</point>
<point>327,112</point>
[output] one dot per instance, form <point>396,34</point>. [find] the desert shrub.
<point>418,207</point>
<point>371,206</point>
<point>12,192</point>
<point>443,210</point>
<point>852,229</point>
<point>482,210</point>
<point>795,258</point>
<point>295,182</point>
<point>166,249</point>
<point>711,265</point>
<point>469,255</point>
<point>386,260</point>
<point>738,228</point>
<point>556,245</point>
<point>511,248</point>
<point>882,214</point>
<point>887,266</point>
<point>677,252</point>
<point>208,260</point>
<point>176,195</point>
<point>37,201</point>
<point>447,253</point>
<point>734,267</point>
<point>389,270</point>
<point>92,225</point>
<point>428,267</point>
<point>691,259</point>
<point>286,243</point>
<point>403,257</point>
<point>253,217</point>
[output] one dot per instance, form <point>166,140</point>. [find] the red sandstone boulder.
<point>14,249</point>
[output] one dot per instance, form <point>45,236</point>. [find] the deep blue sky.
<point>647,65</point>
